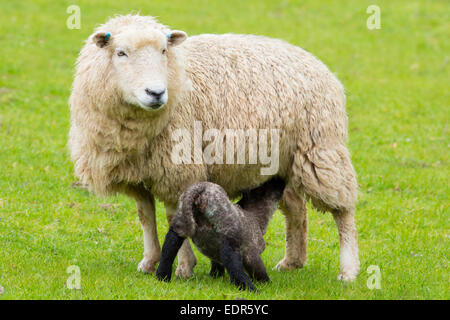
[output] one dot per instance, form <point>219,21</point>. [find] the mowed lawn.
<point>397,83</point>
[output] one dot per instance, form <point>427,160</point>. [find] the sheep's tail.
<point>184,221</point>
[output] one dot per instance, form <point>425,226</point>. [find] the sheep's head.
<point>139,63</point>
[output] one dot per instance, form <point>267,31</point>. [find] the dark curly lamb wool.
<point>232,236</point>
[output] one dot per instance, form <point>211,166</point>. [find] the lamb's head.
<point>139,57</point>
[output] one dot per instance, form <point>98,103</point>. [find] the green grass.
<point>397,82</point>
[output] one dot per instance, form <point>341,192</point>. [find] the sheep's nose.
<point>155,94</point>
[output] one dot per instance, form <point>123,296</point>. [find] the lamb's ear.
<point>176,37</point>
<point>101,38</point>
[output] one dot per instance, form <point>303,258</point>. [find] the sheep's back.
<point>247,81</point>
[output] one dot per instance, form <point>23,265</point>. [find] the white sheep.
<point>137,82</point>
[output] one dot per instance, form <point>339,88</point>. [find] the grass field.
<point>397,82</point>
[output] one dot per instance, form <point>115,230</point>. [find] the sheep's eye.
<point>122,54</point>
<point>163,51</point>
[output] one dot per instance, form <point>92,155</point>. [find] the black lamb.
<point>232,236</point>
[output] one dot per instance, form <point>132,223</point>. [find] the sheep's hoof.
<point>184,271</point>
<point>147,265</point>
<point>285,265</point>
<point>348,274</point>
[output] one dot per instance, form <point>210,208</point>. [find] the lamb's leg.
<point>171,245</point>
<point>255,267</point>
<point>186,257</point>
<point>232,260</point>
<point>293,207</point>
<point>146,211</point>
<point>217,270</point>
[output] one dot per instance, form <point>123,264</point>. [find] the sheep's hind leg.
<point>146,211</point>
<point>348,237</point>
<point>293,206</point>
<point>327,176</point>
<point>255,268</point>
<point>217,270</point>
<point>186,257</point>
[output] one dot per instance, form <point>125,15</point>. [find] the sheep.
<point>232,236</point>
<point>137,82</point>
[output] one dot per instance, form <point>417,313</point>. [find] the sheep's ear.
<point>101,38</point>
<point>176,37</point>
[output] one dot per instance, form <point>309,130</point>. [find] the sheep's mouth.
<point>156,106</point>
<point>151,106</point>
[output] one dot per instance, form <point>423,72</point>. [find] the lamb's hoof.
<point>147,265</point>
<point>184,271</point>
<point>285,265</point>
<point>216,273</point>
<point>348,274</point>
<point>248,286</point>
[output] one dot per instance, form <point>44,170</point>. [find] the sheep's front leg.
<point>146,210</point>
<point>186,257</point>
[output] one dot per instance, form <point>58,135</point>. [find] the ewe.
<point>137,82</point>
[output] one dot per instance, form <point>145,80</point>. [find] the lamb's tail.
<point>184,221</point>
